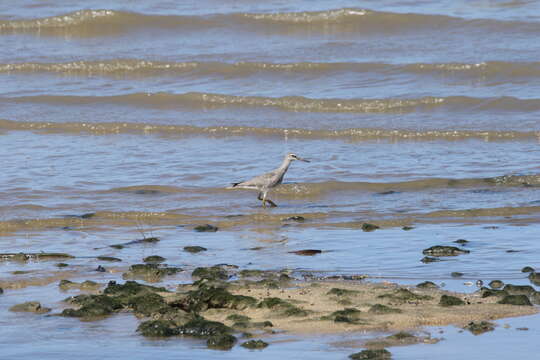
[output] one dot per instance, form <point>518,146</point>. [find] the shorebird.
<point>265,182</point>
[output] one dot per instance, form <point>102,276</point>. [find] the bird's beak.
<point>304,160</point>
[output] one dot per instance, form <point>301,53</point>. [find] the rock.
<point>378,354</point>
<point>215,298</point>
<point>516,300</point>
<point>1,291</point>
<point>146,240</point>
<point>307,252</point>
<point>427,285</point>
<point>149,272</point>
<point>461,241</point>
<point>479,327</point>
<point>407,228</point>
<point>534,277</point>
<point>404,295</point>
<point>295,218</point>
<point>383,309</point>
<point>456,274</point>
<point>347,315</point>
<point>86,285</point>
<point>194,249</point>
<point>369,227</point>
<point>535,298</point>
<point>30,306</point>
<point>211,273</point>
<point>34,256</point>
<point>518,289</point>
<point>92,306</point>
<point>100,269</point>
<point>429,259</point>
<point>158,328</point>
<point>154,259</point>
<point>202,328</point>
<point>61,265</point>
<point>206,228</point>
<point>496,284</point>
<point>485,292</point>
<point>130,288</point>
<point>238,318</point>
<point>109,258</point>
<point>448,300</point>
<point>341,292</point>
<point>221,342</point>
<point>286,308</point>
<point>254,344</point>
<point>146,304</point>
<point>527,269</point>
<point>440,250</point>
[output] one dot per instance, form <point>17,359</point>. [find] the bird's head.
<point>292,157</point>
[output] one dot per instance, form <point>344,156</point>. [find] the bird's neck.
<point>284,165</point>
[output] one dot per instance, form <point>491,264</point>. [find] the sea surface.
<point>126,119</point>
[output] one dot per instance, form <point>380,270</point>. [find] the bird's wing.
<point>261,180</point>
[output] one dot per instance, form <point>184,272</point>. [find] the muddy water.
<point>413,114</point>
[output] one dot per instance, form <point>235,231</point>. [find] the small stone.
<point>448,300</point>
<point>407,228</point>
<point>254,344</point>
<point>378,354</point>
<point>521,300</point>
<point>307,252</point>
<point>194,249</point>
<point>496,284</point>
<point>527,269</point>
<point>522,328</point>
<point>461,241</point>
<point>456,274</point>
<point>154,259</point>
<point>429,259</point>
<point>109,258</point>
<point>100,269</point>
<point>206,228</point>
<point>1,291</point>
<point>61,265</point>
<point>369,227</point>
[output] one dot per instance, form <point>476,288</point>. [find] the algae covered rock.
<point>427,285</point>
<point>215,298</point>
<point>154,259</point>
<point>254,344</point>
<point>527,269</point>
<point>369,227</point>
<point>404,295</point>
<point>109,258</point>
<point>448,300</point>
<point>479,327</point>
<point>221,341</point>
<point>194,249</point>
<point>211,273</point>
<point>496,284</point>
<point>202,328</point>
<point>347,315</point>
<point>285,307</point>
<point>383,309</point>
<point>158,328</point>
<point>30,306</point>
<point>519,289</point>
<point>205,228</point>
<point>149,272</point>
<point>341,292</point>
<point>378,354</point>
<point>146,304</point>
<point>534,278</point>
<point>522,300</point>
<point>92,306</point>
<point>441,250</point>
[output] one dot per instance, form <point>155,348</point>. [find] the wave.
<point>136,67</point>
<point>198,100</point>
<point>355,134</point>
<point>103,22</point>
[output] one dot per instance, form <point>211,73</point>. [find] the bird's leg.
<point>265,200</point>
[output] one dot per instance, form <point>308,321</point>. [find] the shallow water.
<point>412,113</point>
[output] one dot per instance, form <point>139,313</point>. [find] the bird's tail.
<point>233,185</point>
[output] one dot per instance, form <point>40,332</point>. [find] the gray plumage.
<point>263,183</point>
